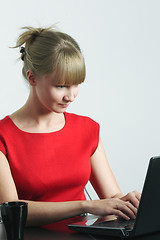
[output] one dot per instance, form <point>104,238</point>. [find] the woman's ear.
<point>31,77</point>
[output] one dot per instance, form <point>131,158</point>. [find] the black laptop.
<point>148,215</point>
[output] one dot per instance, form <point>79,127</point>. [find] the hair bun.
<point>23,51</point>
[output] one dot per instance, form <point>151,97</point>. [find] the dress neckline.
<point>40,133</point>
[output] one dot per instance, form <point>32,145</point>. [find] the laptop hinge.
<point>127,233</point>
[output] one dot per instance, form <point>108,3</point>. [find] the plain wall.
<point>120,40</point>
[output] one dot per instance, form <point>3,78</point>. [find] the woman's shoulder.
<point>75,118</point>
<point>5,126</point>
<point>4,121</point>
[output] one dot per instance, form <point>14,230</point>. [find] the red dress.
<point>50,166</point>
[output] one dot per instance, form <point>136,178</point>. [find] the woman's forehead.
<point>64,79</point>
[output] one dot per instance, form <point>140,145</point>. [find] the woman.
<point>48,155</point>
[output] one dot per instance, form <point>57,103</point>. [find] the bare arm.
<point>8,190</point>
<point>42,213</point>
<point>104,181</point>
<point>102,177</point>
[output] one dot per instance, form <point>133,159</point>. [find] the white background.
<point>120,40</point>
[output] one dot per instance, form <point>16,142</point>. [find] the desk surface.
<point>36,233</point>
<point>43,234</point>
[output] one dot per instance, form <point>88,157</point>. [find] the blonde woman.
<point>47,155</point>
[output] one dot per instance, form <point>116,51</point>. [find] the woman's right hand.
<point>112,206</point>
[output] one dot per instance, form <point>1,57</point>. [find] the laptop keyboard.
<point>118,223</point>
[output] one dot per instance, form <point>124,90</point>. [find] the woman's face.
<point>51,97</point>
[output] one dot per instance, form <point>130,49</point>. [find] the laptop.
<point>148,215</point>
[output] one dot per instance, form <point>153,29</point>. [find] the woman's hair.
<point>45,50</point>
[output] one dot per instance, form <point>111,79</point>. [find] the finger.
<point>135,202</point>
<point>132,208</point>
<point>121,214</point>
<point>133,197</point>
<point>138,195</point>
<point>128,209</point>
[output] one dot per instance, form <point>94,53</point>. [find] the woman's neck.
<point>32,118</point>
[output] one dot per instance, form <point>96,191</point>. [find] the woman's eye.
<point>59,86</point>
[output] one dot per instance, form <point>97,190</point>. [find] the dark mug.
<point>14,216</point>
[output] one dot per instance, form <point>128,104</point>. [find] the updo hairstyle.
<point>45,50</point>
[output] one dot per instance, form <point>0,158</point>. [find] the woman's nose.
<point>69,97</point>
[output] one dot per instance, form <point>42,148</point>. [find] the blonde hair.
<point>49,51</point>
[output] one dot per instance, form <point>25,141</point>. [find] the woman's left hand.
<point>132,197</point>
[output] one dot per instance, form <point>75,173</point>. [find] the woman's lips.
<point>64,105</point>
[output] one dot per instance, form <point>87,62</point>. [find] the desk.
<point>43,234</point>
<point>36,233</point>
